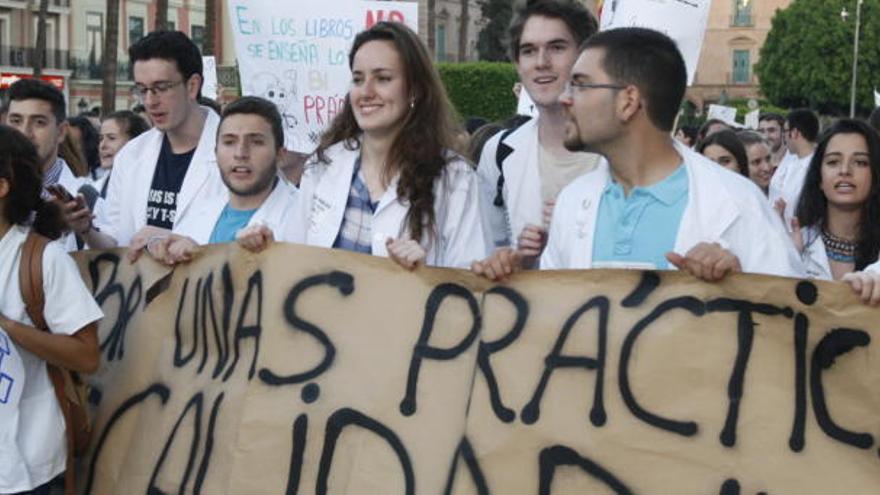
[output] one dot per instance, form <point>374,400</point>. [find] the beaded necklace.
<point>839,249</point>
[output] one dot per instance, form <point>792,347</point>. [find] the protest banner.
<point>295,54</point>
<point>682,20</point>
<point>304,370</point>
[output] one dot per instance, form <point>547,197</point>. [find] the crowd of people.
<point>596,180</point>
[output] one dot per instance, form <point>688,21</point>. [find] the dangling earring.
<point>412,103</point>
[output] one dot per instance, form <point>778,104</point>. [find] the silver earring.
<point>412,103</point>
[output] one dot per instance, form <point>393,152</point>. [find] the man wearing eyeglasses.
<point>801,129</point>
<point>164,179</point>
<point>655,204</point>
<point>522,170</point>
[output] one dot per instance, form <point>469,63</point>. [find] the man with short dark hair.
<point>250,140</point>
<point>656,204</point>
<point>523,169</point>
<point>37,109</point>
<point>801,130</point>
<point>770,125</point>
<point>165,179</point>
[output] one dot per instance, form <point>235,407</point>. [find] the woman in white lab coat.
<point>837,228</point>
<point>384,179</point>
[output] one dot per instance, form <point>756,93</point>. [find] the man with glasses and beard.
<point>656,204</point>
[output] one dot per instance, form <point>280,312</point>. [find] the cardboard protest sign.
<point>296,55</point>
<point>209,70</point>
<point>723,113</point>
<point>682,20</point>
<point>304,370</point>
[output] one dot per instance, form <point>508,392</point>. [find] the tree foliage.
<point>492,41</point>
<point>807,57</point>
<point>480,89</point>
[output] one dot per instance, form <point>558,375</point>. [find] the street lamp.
<point>855,65</point>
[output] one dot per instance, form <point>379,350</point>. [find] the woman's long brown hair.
<point>421,148</point>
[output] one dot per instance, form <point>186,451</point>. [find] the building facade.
<point>735,33</point>
<point>18,37</point>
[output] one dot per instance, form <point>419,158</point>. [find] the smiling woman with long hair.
<point>838,216</point>
<point>385,179</point>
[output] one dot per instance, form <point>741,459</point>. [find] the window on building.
<point>742,12</point>
<point>171,26</point>
<point>95,43</point>
<point>440,43</point>
<point>4,41</point>
<point>741,67</point>
<point>198,36</point>
<point>135,29</point>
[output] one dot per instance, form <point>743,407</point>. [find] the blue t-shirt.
<point>229,223</point>
<point>640,229</point>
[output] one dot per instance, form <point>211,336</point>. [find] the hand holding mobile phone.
<point>60,193</point>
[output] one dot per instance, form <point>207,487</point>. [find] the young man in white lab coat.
<point>166,179</point>
<point>250,141</point>
<point>801,131</point>
<point>655,204</point>
<point>522,171</point>
<point>37,110</point>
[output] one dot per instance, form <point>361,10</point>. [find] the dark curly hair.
<point>18,165</point>
<point>420,150</point>
<point>812,207</point>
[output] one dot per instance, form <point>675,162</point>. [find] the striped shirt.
<point>52,176</point>
<point>355,234</point>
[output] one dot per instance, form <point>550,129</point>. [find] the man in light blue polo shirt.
<point>653,204</point>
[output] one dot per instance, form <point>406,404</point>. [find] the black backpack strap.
<point>501,153</point>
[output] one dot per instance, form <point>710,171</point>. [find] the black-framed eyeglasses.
<point>140,92</point>
<point>589,85</point>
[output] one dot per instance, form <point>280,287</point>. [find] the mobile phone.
<point>60,193</point>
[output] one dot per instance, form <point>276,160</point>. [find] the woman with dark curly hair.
<point>837,228</point>
<point>32,433</point>
<point>385,179</point>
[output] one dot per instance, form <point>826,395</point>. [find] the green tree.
<point>492,41</point>
<point>807,58</point>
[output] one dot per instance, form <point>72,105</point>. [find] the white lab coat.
<point>125,210</point>
<point>72,183</point>
<point>874,267</point>
<point>278,209</point>
<point>323,195</point>
<point>722,207</point>
<point>787,183</point>
<point>522,186</point>
<point>814,256</point>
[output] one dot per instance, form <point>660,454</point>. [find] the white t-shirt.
<point>32,444</point>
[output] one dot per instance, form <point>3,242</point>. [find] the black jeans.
<point>47,488</point>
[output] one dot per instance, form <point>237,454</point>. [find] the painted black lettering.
<point>342,281</point>
<point>297,454</point>
<point>195,403</point>
<point>836,343</point>
<point>252,331</point>
<point>745,332</point>
<point>466,452</point>
<point>685,428</point>
<point>181,359</point>
<point>423,350</point>
<point>486,349</point>
<point>649,282</point>
<point>209,446</point>
<point>343,418</point>
<point>129,301</point>
<point>801,329</point>
<point>158,389</point>
<point>532,411</point>
<point>560,455</point>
